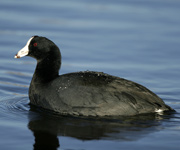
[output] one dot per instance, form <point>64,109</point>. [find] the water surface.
<point>135,39</point>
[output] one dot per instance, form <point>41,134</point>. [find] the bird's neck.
<point>46,70</point>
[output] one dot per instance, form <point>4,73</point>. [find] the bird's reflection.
<point>45,140</point>
<point>46,128</point>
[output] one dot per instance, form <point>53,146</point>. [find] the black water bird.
<point>86,93</point>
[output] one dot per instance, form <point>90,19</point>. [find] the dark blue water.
<point>134,39</point>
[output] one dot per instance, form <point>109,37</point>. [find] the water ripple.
<point>14,106</point>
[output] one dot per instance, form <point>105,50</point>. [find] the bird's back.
<point>98,94</point>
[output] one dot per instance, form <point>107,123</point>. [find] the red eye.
<point>35,44</point>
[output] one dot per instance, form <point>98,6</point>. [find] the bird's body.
<point>84,93</point>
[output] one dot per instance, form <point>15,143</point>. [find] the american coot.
<point>84,93</point>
